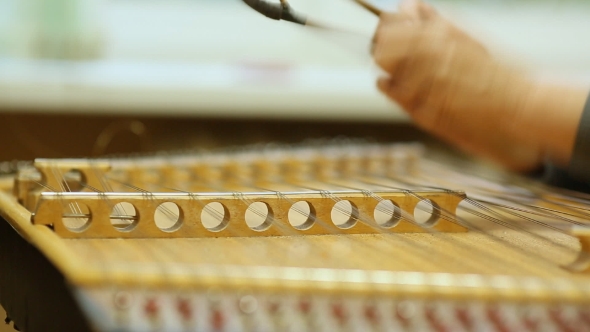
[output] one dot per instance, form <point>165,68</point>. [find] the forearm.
<point>453,88</point>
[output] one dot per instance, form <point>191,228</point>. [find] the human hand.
<point>452,87</point>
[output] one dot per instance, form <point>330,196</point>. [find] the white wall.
<point>219,57</point>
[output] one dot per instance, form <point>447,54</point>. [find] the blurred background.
<point>87,77</point>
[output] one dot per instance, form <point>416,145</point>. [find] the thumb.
<point>383,84</point>
<point>397,93</point>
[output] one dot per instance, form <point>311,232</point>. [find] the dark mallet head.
<point>276,11</point>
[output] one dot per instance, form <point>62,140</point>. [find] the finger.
<point>392,47</point>
<point>411,8</point>
<point>387,86</point>
<point>385,20</point>
<point>426,11</point>
<point>417,9</point>
<point>387,17</point>
<point>383,84</point>
<point>397,92</point>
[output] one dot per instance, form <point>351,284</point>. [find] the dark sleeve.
<point>577,175</point>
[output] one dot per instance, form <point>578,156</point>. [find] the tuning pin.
<point>273,307</point>
<point>248,304</point>
<point>404,312</point>
<point>217,320</point>
<point>464,317</point>
<point>185,309</point>
<point>567,319</point>
<point>123,300</point>
<point>435,321</point>
<point>372,314</point>
<point>339,312</point>
<point>152,308</point>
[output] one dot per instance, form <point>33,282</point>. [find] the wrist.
<point>553,113</point>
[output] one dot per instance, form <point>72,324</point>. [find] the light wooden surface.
<point>480,254</point>
<point>505,256</point>
<point>191,263</point>
<point>508,245</point>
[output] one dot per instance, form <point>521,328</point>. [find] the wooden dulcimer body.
<point>323,237</point>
